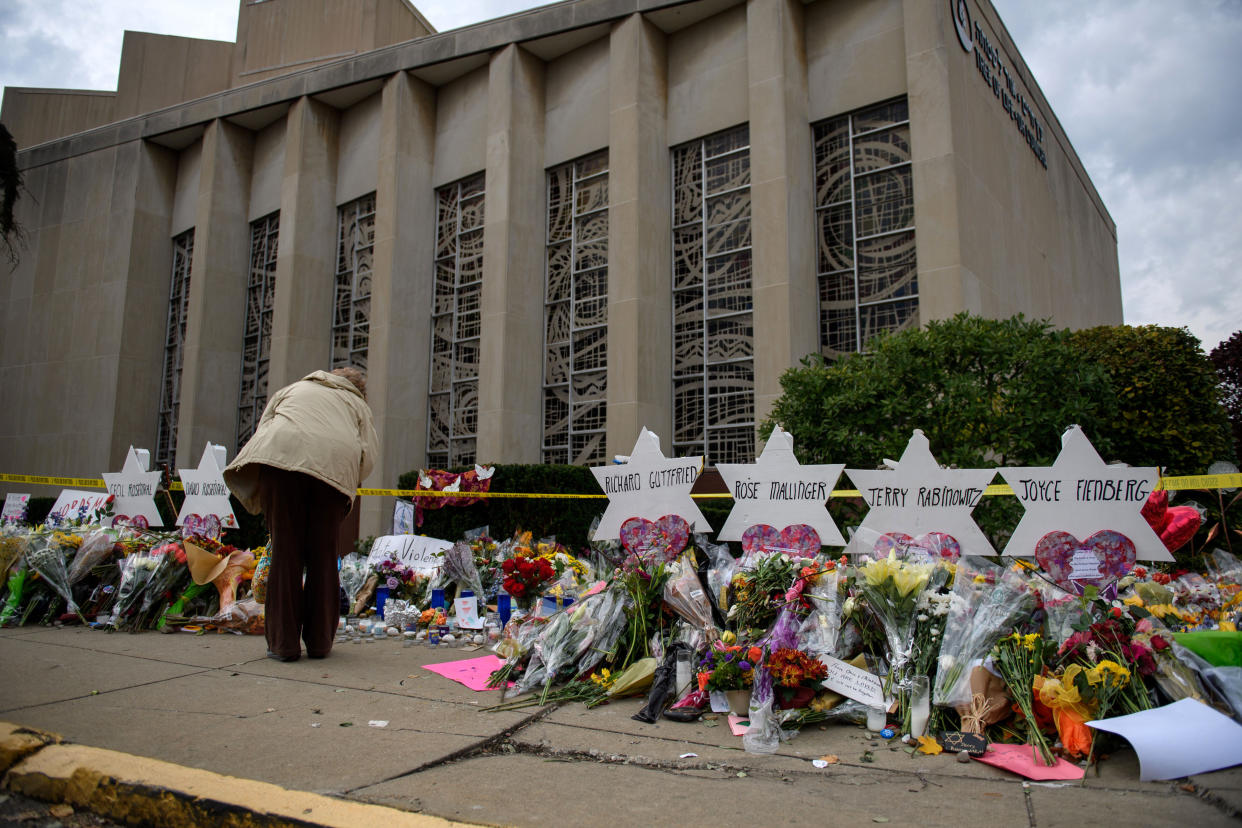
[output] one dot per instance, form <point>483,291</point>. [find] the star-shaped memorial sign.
<point>1081,495</point>
<point>648,486</point>
<point>778,491</point>
<point>918,498</point>
<point>133,488</point>
<point>206,509</point>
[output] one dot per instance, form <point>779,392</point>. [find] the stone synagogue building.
<point>538,234</point>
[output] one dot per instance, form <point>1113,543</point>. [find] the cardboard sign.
<point>1080,494</point>
<point>1180,739</point>
<point>402,517</point>
<point>134,489</point>
<point>917,497</point>
<point>14,507</point>
<point>779,491</point>
<point>854,682</point>
<point>206,495</point>
<point>77,505</point>
<point>649,486</point>
<point>467,610</point>
<point>418,552</point>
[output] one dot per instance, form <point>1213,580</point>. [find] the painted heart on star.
<point>1107,555</point>
<point>797,541</point>
<point>663,538</point>
<point>937,546</point>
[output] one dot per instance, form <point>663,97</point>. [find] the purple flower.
<point>743,665</point>
<point>393,582</point>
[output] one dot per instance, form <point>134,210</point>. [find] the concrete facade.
<point>323,102</point>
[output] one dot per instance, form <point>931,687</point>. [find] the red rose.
<point>1159,643</point>
<point>1116,612</point>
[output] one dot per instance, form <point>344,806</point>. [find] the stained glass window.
<point>864,208</point>
<point>174,348</point>
<point>456,323</point>
<point>713,322</point>
<point>257,333</point>
<point>575,374</point>
<point>351,308</point>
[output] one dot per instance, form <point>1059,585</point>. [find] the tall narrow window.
<point>713,326</point>
<point>174,348</point>
<point>351,312</point>
<point>864,208</point>
<point>257,336</point>
<point>575,367</point>
<point>456,322</point>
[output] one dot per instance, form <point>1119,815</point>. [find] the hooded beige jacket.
<point>319,425</point>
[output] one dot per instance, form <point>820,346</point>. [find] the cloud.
<point>1142,89</point>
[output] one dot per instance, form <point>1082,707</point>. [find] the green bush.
<point>1227,357</point>
<point>1164,397</point>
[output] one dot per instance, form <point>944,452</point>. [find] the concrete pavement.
<point>208,719</point>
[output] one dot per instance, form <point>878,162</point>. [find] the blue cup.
<point>381,598</point>
<point>437,599</point>
<point>504,608</point>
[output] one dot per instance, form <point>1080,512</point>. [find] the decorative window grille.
<point>864,200</point>
<point>713,325</point>
<point>351,311</point>
<point>456,322</point>
<point>575,368</point>
<point>257,335</point>
<point>174,348</point>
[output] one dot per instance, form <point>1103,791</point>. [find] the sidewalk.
<point>215,704</point>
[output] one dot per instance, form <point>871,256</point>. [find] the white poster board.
<point>467,612</point>
<point>918,497</point>
<point>14,507</point>
<point>418,552</point>
<point>649,485</point>
<point>402,517</point>
<point>134,488</point>
<point>1081,494</point>
<point>77,505</point>
<point>779,491</point>
<point>206,494</point>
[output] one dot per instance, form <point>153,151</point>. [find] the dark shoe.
<point>279,657</point>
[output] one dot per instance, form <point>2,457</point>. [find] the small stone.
<point>478,638</point>
<point>963,758</point>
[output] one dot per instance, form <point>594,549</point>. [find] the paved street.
<point>214,702</point>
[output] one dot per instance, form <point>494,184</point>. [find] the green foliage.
<point>567,519</point>
<point>1227,357</point>
<point>985,392</point>
<point>1165,404</point>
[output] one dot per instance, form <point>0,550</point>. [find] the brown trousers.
<point>303,516</point>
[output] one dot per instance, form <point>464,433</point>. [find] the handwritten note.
<point>853,682</point>
<point>418,552</point>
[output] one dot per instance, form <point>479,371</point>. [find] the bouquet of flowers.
<point>818,587</point>
<point>758,592</point>
<point>795,676</point>
<point>985,604</point>
<point>459,567</point>
<point>354,573</point>
<point>403,583</point>
<point>1020,659</point>
<point>728,667</point>
<point>890,589</point>
<point>525,578</point>
<point>46,555</point>
<point>685,596</point>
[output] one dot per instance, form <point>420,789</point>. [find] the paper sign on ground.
<point>1179,739</point>
<point>1081,494</point>
<point>1020,759</point>
<point>75,504</point>
<point>467,610</point>
<point>14,507</point>
<point>853,682</point>
<point>472,672</point>
<point>134,488</point>
<point>418,552</point>
<point>779,491</point>
<point>402,517</point>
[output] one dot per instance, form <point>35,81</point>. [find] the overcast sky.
<point>1142,88</point>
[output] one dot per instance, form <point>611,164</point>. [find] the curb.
<point>146,791</point>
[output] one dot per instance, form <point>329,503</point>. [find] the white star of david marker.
<point>133,488</point>
<point>778,491</point>
<point>649,486</point>
<point>205,491</point>
<point>1081,494</point>
<point>918,497</point>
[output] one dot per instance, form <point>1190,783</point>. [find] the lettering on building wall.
<point>999,79</point>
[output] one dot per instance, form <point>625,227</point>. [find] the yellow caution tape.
<point>1202,481</point>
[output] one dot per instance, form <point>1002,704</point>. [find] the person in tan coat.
<point>314,444</point>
